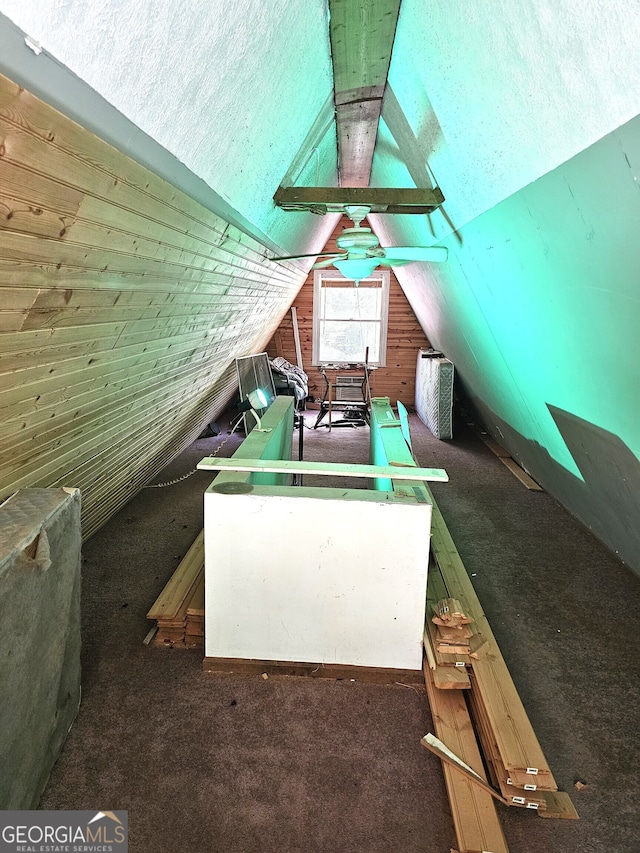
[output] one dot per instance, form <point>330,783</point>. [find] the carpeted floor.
<point>242,764</point>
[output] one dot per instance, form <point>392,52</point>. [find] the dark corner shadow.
<point>610,494</point>
<point>606,501</point>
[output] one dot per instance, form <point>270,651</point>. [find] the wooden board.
<point>329,469</point>
<point>505,457</point>
<point>474,814</point>
<point>378,675</point>
<point>520,474</point>
<point>559,805</point>
<point>517,744</point>
<point>179,589</point>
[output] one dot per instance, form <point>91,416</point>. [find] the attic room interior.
<point>237,621</point>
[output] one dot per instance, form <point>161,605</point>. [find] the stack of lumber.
<point>471,690</point>
<point>194,621</point>
<point>179,609</point>
<point>452,632</point>
<point>448,660</point>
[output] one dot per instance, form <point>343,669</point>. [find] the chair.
<point>348,393</point>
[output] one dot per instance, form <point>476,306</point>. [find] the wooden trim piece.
<point>493,446</point>
<point>378,675</point>
<point>445,677</point>
<point>512,790</point>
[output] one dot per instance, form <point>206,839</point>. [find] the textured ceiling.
<point>497,93</point>
<point>485,96</point>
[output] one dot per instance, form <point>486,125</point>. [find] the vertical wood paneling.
<point>404,338</point>
<point>123,304</point>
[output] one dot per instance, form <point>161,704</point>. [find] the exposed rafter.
<point>362,33</point>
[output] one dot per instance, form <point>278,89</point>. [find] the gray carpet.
<point>240,764</point>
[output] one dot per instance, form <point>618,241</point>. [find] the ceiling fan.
<point>361,251</point>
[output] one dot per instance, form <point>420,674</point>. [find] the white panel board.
<point>316,580</point>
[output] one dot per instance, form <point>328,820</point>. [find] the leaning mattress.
<point>434,392</point>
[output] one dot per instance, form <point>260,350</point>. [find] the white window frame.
<point>333,275</point>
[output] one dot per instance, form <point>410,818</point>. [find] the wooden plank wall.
<point>123,304</point>
<point>405,337</point>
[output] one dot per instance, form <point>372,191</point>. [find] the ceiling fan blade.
<point>329,261</point>
<point>407,254</point>
<point>295,257</point>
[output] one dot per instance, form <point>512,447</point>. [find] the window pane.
<point>348,341</point>
<point>352,303</point>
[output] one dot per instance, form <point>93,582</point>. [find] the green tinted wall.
<point>539,309</point>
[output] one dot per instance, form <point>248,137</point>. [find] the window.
<point>348,319</point>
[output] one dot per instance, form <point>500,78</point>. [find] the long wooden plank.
<point>514,795</point>
<point>181,584</point>
<point>474,815</point>
<point>559,805</point>
<point>518,747</point>
<point>195,606</point>
<point>443,752</point>
<point>520,474</point>
<point>329,469</point>
<point>505,457</point>
<point>502,702</point>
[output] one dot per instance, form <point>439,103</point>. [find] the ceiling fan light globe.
<point>357,268</point>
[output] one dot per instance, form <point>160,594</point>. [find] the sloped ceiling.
<point>237,92</point>
<point>498,93</point>
<point>483,97</point>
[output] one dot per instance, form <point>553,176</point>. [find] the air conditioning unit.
<point>349,389</point>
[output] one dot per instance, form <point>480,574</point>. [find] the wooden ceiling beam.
<point>377,199</point>
<point>362,33</point>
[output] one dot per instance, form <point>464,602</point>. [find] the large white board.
<point>299,578</point>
